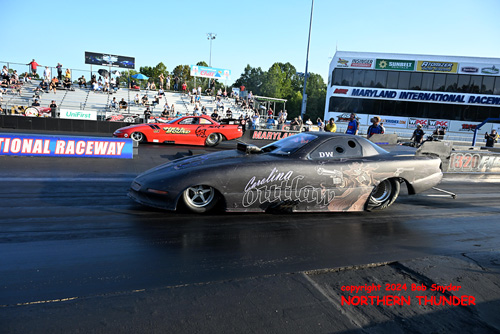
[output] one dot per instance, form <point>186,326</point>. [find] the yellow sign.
<point>177,131</point>
<point>437,66</point>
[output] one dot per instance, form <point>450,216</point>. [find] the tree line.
<point>280,81</point>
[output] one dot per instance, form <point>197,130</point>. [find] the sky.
<point>255,32</point>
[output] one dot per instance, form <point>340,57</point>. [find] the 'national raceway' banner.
<point>65,146</point>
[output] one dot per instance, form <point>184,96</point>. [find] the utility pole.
<point>210,36</point>
<point>304,95</point>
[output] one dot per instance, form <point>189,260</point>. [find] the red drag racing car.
<point>190,130</point>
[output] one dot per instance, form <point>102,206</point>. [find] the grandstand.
<point>86,99</point>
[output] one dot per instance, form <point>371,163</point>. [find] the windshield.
<point>289,145</point>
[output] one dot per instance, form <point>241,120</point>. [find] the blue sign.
<point>65,146</point>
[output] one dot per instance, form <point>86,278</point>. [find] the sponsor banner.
<point>236,91</point>
<point>469,68</point>
<point>395,64</point>
<point>271,135</point>
<point>89,115</point>
<point>392,121</point>
<point>355,62</point>
<point>210,72</point>
<point>426,123</point>
<point>104,59</point>
<point>65,146</point>
<point>437,66</point>
<point>420,96</point>
<point>491,70</point>
<point>467,127</point>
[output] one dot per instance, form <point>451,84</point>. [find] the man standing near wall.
<point>353,126</point>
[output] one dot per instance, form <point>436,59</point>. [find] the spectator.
<point>166,111</point>
<point>113,105</point>
<point>184,87</point>
<point>270,122</point>
<point>321,124</point>
<point>176,83</point>
<point>44,85</point>
<point>67,83</point>
<point>229,113</point>
<point>137,99</point>
<point>172,109</point>
<point>439,133</point>
<point>353,125</point>
<point>153,86</point>
<point>68,74</point>
<point>147,115</point>
<point>331,126</point>
<point>59,71</point>
<point>5,73</point>
<point>255,120</point>
<point>375,128</point>
<point>53,84</point>
<point>53,108</point>
<point>309,123</point>
<point>26,78</point>
<point>161,92</point>
<point>33,66</point>
<point>82,81</point>
<point>35,103</point>
<point>46,73</point>
<point>300,123</point>
<point>418,136</point>
<point>491,138</point>
<point>294,124</point>
<point>215,115</point>
<point>168,83</point>
<point>270,112</point>
<point>161,77</point>
<point>145,99</point>
<point>123,104</point>
<point>281,121</point>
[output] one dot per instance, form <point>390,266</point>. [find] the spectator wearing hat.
<point>418,135</point>
<point>375,128</point>
<point>353,126</point>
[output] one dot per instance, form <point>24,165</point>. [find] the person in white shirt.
<point>46,73</point>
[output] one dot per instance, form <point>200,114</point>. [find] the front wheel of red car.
<point>200,199</point>
<point>213,139</point>
<point>384,194</point>
<point>138,137</point>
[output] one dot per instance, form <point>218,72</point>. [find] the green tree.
<point>252,78</point>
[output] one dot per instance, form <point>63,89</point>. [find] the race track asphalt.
<point>79,256</point>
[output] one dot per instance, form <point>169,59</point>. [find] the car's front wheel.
<point>384,194</point>
<point>213,139</point>
<point>201,198</point>
<point>138,137</point>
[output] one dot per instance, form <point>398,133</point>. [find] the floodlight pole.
<point>304,96</point>
<point>210,36</point>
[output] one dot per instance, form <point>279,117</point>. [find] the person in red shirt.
<point>33,65</point>
<point>184,87</point>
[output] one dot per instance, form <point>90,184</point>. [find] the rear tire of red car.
<point>384,194</point>
<point>138,137</point>
<point>213,139</point>
<point>200,199</point>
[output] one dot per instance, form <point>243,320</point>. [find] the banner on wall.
<point>65,146</point>
<point>210,72</point>
<point>89,115</point>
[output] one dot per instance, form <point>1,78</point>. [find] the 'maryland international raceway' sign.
<point>409,95</point>
<point>62,146</point>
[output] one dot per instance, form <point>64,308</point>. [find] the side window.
<point>190,120</point>
<point>205,121</point>
<point>337,148</point>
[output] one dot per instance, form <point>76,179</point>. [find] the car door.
<point>345,177</point>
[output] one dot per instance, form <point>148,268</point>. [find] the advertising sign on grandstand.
<point>104,59</point>
<point>393,64</point>
<point>210,72</point>
<point>89,115</point>
<point>356,62</point>
<point>437,66</point>
<point>392,121</point>
<point>430,124</point>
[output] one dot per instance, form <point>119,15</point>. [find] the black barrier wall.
<point>59,124</point>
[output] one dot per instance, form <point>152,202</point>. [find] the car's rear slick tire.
<point>384,194</point>
<point>200,198</point>
<point>213,139</point>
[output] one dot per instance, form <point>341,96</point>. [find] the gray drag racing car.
<point>304,172</point>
